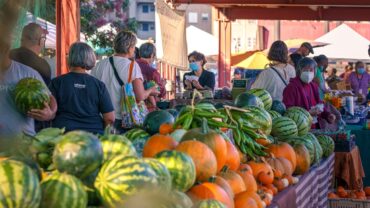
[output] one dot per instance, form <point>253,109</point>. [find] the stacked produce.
<point>340,192</point>
<point>176,163</point>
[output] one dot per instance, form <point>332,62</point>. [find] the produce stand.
<point>348,167</point>
<point>312,189</point>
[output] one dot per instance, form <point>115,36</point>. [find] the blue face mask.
<point>193,66</point>
<point>361,70</point>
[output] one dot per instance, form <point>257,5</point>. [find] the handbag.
<point>133,113</point>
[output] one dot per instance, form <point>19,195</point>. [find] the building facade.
<point>144,13</point>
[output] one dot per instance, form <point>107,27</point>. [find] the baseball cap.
<point>308,46</point>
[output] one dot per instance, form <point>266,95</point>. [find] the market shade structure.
<point>294,44</point>
<point>344,44</point>
<point>201,41</point>
<point>237,58</point>
<point>257,60</point>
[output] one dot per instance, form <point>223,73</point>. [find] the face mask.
<point>307,77</point>
<point>154,65</point>
<point>193,66</point>
<point>361,70</point>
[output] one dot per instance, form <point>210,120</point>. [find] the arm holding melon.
<point>47,113</point>
<point>140,93</point>
<point>108,118</point>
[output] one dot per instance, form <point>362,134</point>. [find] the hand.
<point>188,84</point>
<point>45,114</point>
<point>331,118</point>
<point>197,85</point>
<point>154,90</point>
<point>314,112</point>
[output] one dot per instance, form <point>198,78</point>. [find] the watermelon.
<point>248,99</point>
<point>259,117</point>
<point>173,112</point>
<point>278,106</point>
<point>178,134</point>
<point>327,144</point>
<point>301,110</point>
<point>180,200</point>
<point>123,177</point>
<point>209,203</point>
<point>30,93</point>
<point>19,185</point>
<point>274,114</point>
<point>31,163</point>
<point>181,167</point>
<point>78,153</point>
<point>164,176</point>
<point>138,137</point>
<point>264,96</point>
<point>155,119</point>
<point>92,194</point>
<point>283,127</point>
<point>318,149</point>
<point>63,190</point>
<point>302,121</point>
<point>114,145</point>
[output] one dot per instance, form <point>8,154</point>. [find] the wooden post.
<point>224,56</point>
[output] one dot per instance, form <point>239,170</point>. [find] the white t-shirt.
<point>270,81</point>
<point>104,72</point>
<point>12,121</point>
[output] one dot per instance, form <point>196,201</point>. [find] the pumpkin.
<point>223,184</point>
<point>209,190</point>
<point>249,180</point>
<point>245,168</point>
<point>241,203</point>
<point>262,171</point>
<point>367,190</point>
<point>245,202</point>
<point>232,157</point>
<point>234,179</point>
<point>272,188</point>
<point>203,157</point>
<point>212,139</point>
<point>281,184</point>
<point>158,143</point>
<point>332,195</point>
<point>281,164</point>
<point>282,149</point>
<point>243,157</point>
<point>166,128</point>
<point>303,159</point>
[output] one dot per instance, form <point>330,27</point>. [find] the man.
<point>303,51</point>
<point>11,121</point>
<point>147,52</point>
<point>322,63</point>
<point>32,43</point>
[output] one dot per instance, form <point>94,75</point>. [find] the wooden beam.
<point>224,54</point>
<point>300,13</point>
<point>278,2</point>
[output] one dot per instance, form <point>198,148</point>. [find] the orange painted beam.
<point>224,55</point>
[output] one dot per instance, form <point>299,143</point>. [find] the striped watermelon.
<point>248,99</point>
<point>114,145</point>
<point>327,144</point>
<point>181,167</point>
<point>303,123</point>
<point>180,200</point>
<point>210,203</point>
<point>264,96</point>
<point>318,149</point>
<point>301,110</point>
<point>123,177</point>
<point>138,137</point>
<point>19,185</point>
<point>274,114</point>
<point>164,176</point>
<point>259,117</point>
<point>63,191</point>
<point>30,93</point>
<point>283,127</point>
<point>78,153</point>
<point>278,106</point>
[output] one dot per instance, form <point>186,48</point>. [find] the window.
<point>205,16</point>
<point>152,8</point>
<point>145,8</point>
<point>193,17</point>
<point>145,27</point>
<point>152,27</point>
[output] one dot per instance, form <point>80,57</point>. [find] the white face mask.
<point>307,77</point>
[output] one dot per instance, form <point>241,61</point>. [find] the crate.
<point>348,203</point>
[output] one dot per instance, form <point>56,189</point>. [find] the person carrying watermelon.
<point>304,93</point>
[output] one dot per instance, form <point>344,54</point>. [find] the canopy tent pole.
<point>224,55</point>
<point>68,30</point>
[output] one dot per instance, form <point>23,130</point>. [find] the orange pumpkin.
<point>281,164</point>
<point>212,139</point>
<point>272,188</point>
<point>166,128</point>
<point>282,149</point>
<point>367,190</point>
<point>239,199</point>
<point>249,180</point>
<point>263,141</point>
<point>245,202</point>
<point>303,159</point>
<point>245,168</point>
<point>209,190</point>
<point>243,157</point>
<point>277,173</point>
<point>262,171</point>
<point>234,179</point>
<point>223,184</point>
<point>332,195</point>
<point>158,143</point>
<point>232,157</point>
<point>203,157</point>
<point>360,193</point>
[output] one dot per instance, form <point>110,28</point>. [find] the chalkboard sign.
<point>240,83</point>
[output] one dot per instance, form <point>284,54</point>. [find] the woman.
<point>124,47</point>
<point>333,79</point>
<point>359,79</point>
<point>198,78</point>
<point>275,78</point>
<point>322,63</point>
<point>303,92</point>
<point>84,102</point>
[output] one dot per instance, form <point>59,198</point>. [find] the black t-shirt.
<point>295,57</point>
<point>81,100</point>
<point>206,79</point>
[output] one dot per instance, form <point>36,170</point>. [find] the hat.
<point>238,71</point>
<point>308,46</point>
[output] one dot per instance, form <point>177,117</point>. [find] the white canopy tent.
<point>344,44</point>
<point>201,41</point>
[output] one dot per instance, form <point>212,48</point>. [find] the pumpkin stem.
<point>212,179</point>
<point>224,169</point>
<point>205,128</point>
